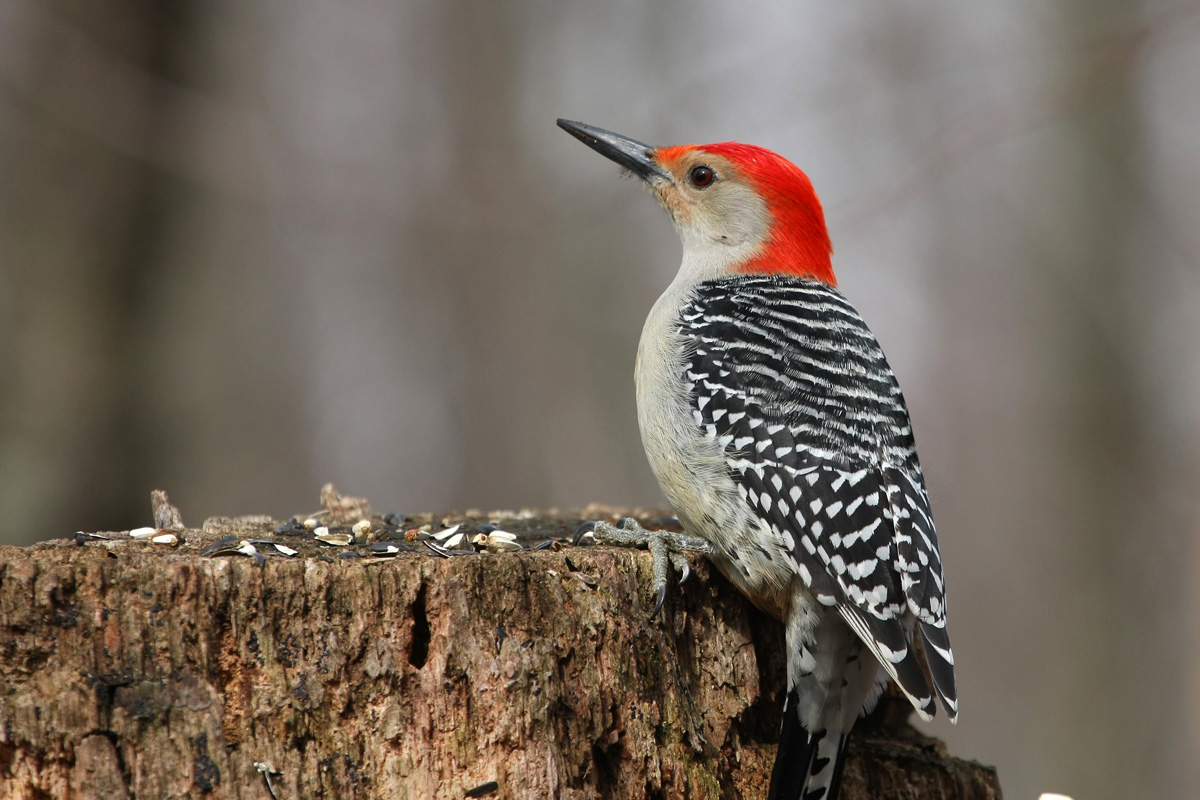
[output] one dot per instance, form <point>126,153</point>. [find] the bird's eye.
<point>702,176</point>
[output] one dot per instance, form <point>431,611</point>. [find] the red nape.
<point>799,243</point>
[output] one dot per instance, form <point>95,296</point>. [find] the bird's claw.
<point>681,566</point>
<point>666,548</point>
<point>660,597</point>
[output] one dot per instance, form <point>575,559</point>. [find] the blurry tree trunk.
<point>78,227</point>
<point>137,671</point>
<point>1083,235</point>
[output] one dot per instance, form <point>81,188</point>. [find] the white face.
<point>721,220</point>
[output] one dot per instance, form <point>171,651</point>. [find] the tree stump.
<point>134,669</point>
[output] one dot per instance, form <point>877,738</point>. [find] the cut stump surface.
<point>136,670</point>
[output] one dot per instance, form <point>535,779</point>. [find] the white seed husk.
<point>143,533</point>
<point>362,526</point>
<point>442,536</point>
<point>166,538</point>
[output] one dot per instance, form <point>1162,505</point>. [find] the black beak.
<point>631,154</point>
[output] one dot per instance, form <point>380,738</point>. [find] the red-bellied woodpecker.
<point>779,434</point>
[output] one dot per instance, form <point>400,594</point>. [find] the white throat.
<point>705,260</point>
<point>721,232</point>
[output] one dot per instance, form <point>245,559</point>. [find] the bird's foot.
<point>666,548</point>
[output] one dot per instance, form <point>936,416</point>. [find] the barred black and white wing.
<point>785,374</point>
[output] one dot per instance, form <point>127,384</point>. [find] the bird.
<point>779,435</point>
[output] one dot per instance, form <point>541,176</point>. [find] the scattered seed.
<point>585,534</point>
<point>546,545</point>
<point>362,527</point>
<point>455,542</point>
<point>166,538</point>
<point>496,541</point>
<point>437,548</point>
<point>284,549</point>
<point>244,548</point>
<point>250,550</point>
<point>220,544</point>
<point>487,527</point>
<point>584,578</point>
<point>292,526</point>
<point>350,554</point>
<point>334,539</point>
<point>267,772</point>
<point>394,519</point>
<point>143,533</point>
<point>385,549</point>
<point>574,573</point>
<point>442,536</point>
<point>483,789</point>
<point>311,523</point>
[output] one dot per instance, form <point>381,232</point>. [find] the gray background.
<point>246,248</point>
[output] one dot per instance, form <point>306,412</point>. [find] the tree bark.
<point>137,670</point>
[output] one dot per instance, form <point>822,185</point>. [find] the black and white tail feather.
<point>786,376</point>
<point>808,766</point>
<point>830,683</point>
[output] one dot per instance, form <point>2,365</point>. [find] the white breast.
<point>692,468</point>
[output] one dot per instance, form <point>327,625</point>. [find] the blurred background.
<point>247,248</point>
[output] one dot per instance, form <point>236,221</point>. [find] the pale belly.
<point>693,473</point>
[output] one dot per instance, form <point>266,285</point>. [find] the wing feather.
<point>817,437</point>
